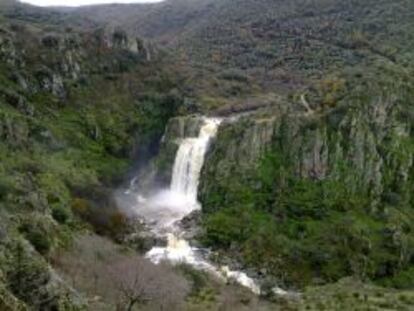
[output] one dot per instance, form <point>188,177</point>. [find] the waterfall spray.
<point>165,209</point>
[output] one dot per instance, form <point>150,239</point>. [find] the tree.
<point>140,282</point>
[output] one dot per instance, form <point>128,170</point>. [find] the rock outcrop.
<point>368,148</point>
<point>325,194</point>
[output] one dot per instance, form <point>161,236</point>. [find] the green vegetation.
<point>314,186</point>
<point>310,230</point>
<point>351,294</point>
<point>315,206</point>
<point>275,45</point>
<point>71,125</point>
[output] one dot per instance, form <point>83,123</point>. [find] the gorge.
<point>224,147</point>
<point>165,208</point>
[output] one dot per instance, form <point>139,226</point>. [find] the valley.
<point>207,155</point>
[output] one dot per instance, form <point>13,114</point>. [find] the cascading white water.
<point>189,161</point>
<point>163,210</point>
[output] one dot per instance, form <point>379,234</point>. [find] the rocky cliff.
<point>320,145</point>
<point>301,173</point>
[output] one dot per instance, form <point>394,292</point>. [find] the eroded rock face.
<point>343,176</point>
<point>66,58</point>
<point>366,148</point>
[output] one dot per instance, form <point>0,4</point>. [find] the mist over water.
<point>166,207</point>
<point>163,210</point>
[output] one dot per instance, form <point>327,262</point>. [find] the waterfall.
<point>167,207</point>
<point>189,161</point>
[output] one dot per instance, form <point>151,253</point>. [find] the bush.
<point>80,207</point>
<point>118,224</point>
<point>103,216</point>
<point>4,188</point>
<point>38,234</point>
<point>27,277</point>
<point>60,214</point>
<point>39,241</point>
<point>99,267</point>
<point>402,280</point>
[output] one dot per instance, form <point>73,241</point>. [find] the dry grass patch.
<point>114,278</point>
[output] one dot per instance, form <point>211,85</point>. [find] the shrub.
<point>199,279</point>
<point>39,241</point>
<point>99,267</point>
<point>4,188</point>
<point>60,214</point>
<point>80,207</point>
<point>37,232</point>
<point>117,224</point>
<point>103,216</point>
<point>139,282</point>
<point>27,278</point>
<point>402,280</point>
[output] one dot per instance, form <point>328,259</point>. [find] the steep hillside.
<point>334,145</point>
<point>239,51</point>
<point>315,196</point>
<point>305,35</point>
<point>164,21</point>
<point>75,109</point>
<point>313,185</point>
<point>263,33</point>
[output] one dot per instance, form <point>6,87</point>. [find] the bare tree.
<point>142,283</point>
<point>115,278</point>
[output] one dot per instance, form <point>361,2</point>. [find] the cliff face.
<point>374,143</point>
<point>305,173</point>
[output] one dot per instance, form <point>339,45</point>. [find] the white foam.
<point>164,209</point>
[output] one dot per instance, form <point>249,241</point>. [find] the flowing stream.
<point>165,209</point>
